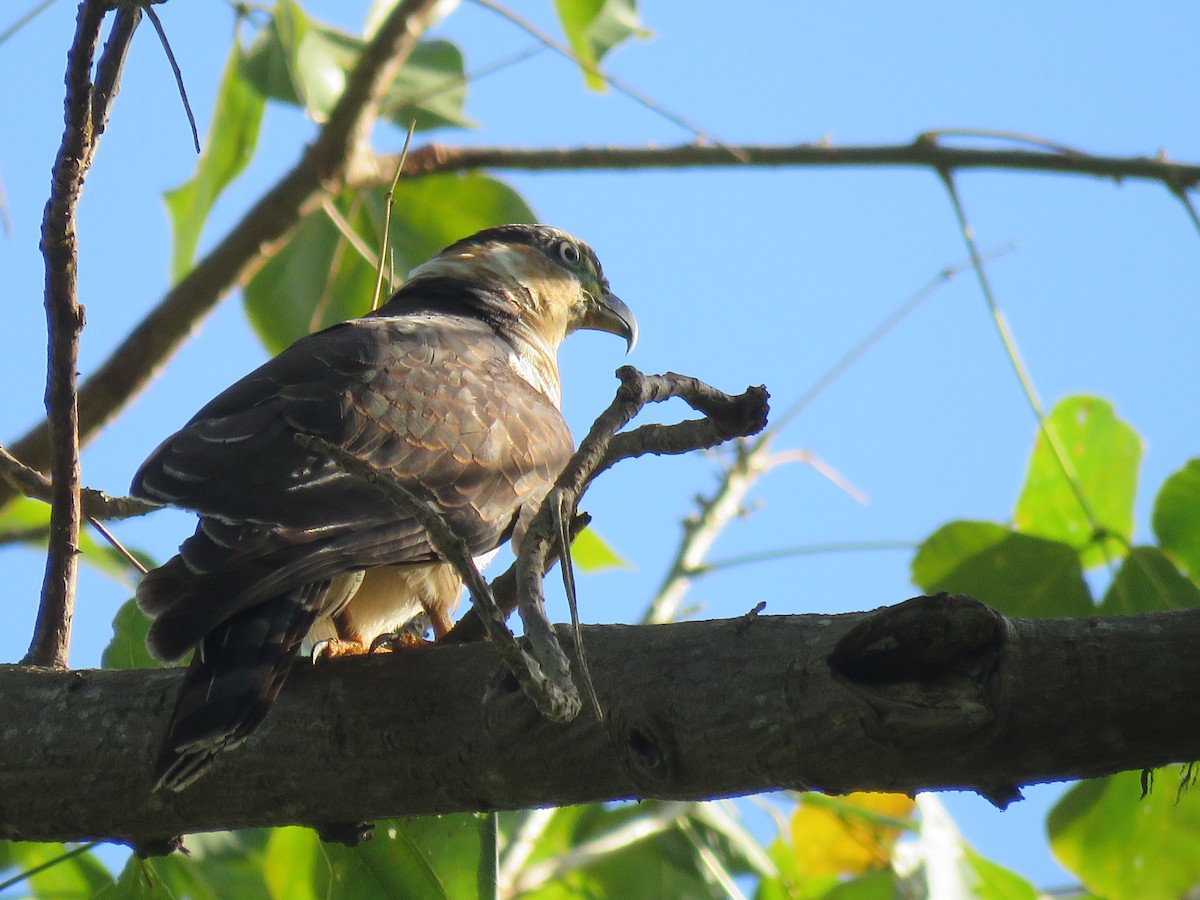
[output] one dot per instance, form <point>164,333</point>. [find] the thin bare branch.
<point>629,91</point>
<point>96,504</point>
<point>166,45</point>
<point>551,689</point>
<point>922,154</point>
<point>64,322</point>
<point>1014,358</point>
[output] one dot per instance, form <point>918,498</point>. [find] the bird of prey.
<point>451,387</point>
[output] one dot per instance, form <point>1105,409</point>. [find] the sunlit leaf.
<point>1103,454</point>
<point>1122,845</point>
<point>1017,574</point>
<point>127,648</point>
<point>319,279</point>
<point>594,27</point>
<point>994,882</point>
<point>1177,518</point>
<point>1148,582</point>
<point>290,864</point>
<point>302,62</point>
<point>426,857</point>
<point>591,553</point>
<point>847,835</point>
<point>215,864</point>
<point>228,146</point>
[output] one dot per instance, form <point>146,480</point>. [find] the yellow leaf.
<point>847,835</point>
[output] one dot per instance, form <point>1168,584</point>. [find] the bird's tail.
<point>234,676</point>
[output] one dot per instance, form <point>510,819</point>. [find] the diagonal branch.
<point>325,167</point>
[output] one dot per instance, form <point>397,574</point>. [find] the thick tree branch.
<point>925,152</point>
<point>326,166</point>
<point>937,692</point>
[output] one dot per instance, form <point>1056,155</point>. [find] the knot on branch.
<point>922,639</point>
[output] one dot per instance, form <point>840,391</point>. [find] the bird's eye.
<point>568,253</point>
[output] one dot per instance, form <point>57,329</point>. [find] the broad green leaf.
<point>228,147</point>
<point>594,27</point>
<point>1177,518</point>
<point>290,864</point>
<point>1102,453</point>
<point>301,62</point>
<point>994,882</point>
<point>1122,845</point>
<point>420,858</point>
<point>73,873</point>
<point>591,553</point>
<point>127,649</point>
<point>1148,582</point>
<point>319,279</point>
<point>1017,574</point>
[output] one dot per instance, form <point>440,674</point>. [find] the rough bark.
<point>936,692</point>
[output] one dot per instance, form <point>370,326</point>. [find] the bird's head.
<point>539,283</point>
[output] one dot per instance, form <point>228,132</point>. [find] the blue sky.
<point>737,276</point>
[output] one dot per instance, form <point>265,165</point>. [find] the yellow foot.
<point>335,647</point>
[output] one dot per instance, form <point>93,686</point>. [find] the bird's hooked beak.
<point>609,313</point>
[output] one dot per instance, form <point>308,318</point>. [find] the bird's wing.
<point>431,400</point>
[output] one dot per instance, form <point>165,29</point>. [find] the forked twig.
<point>544,670</point>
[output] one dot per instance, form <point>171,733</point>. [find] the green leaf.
<point>73,872</point>
<point>1148,582</point>
<point>28,520</point>
<point>994,882</point>
<point>301,62</point>
<point>228,147</point>
<point>1017,574</point>
<point>319,279</point>
<point>216,861</point>
<point>1176,518</point>
<point>591,553</point>
<point>1123,845</point>
<point>426,857</point>
<point>290,864</point>
<point>127,649</point>
<point>594,27</point>
<point>1103,454</point>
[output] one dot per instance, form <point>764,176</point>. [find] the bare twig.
<point>629,91</point>
<point>96,504</point>
<point>725,417</point>
<point>64,322</point>
<point>544,673</point>
<point>166,45</point>
<point>325,167</point>
<point>389,202</point>
<point>923,154</point>
<point>553,693</point>
<point>1014,357</point>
